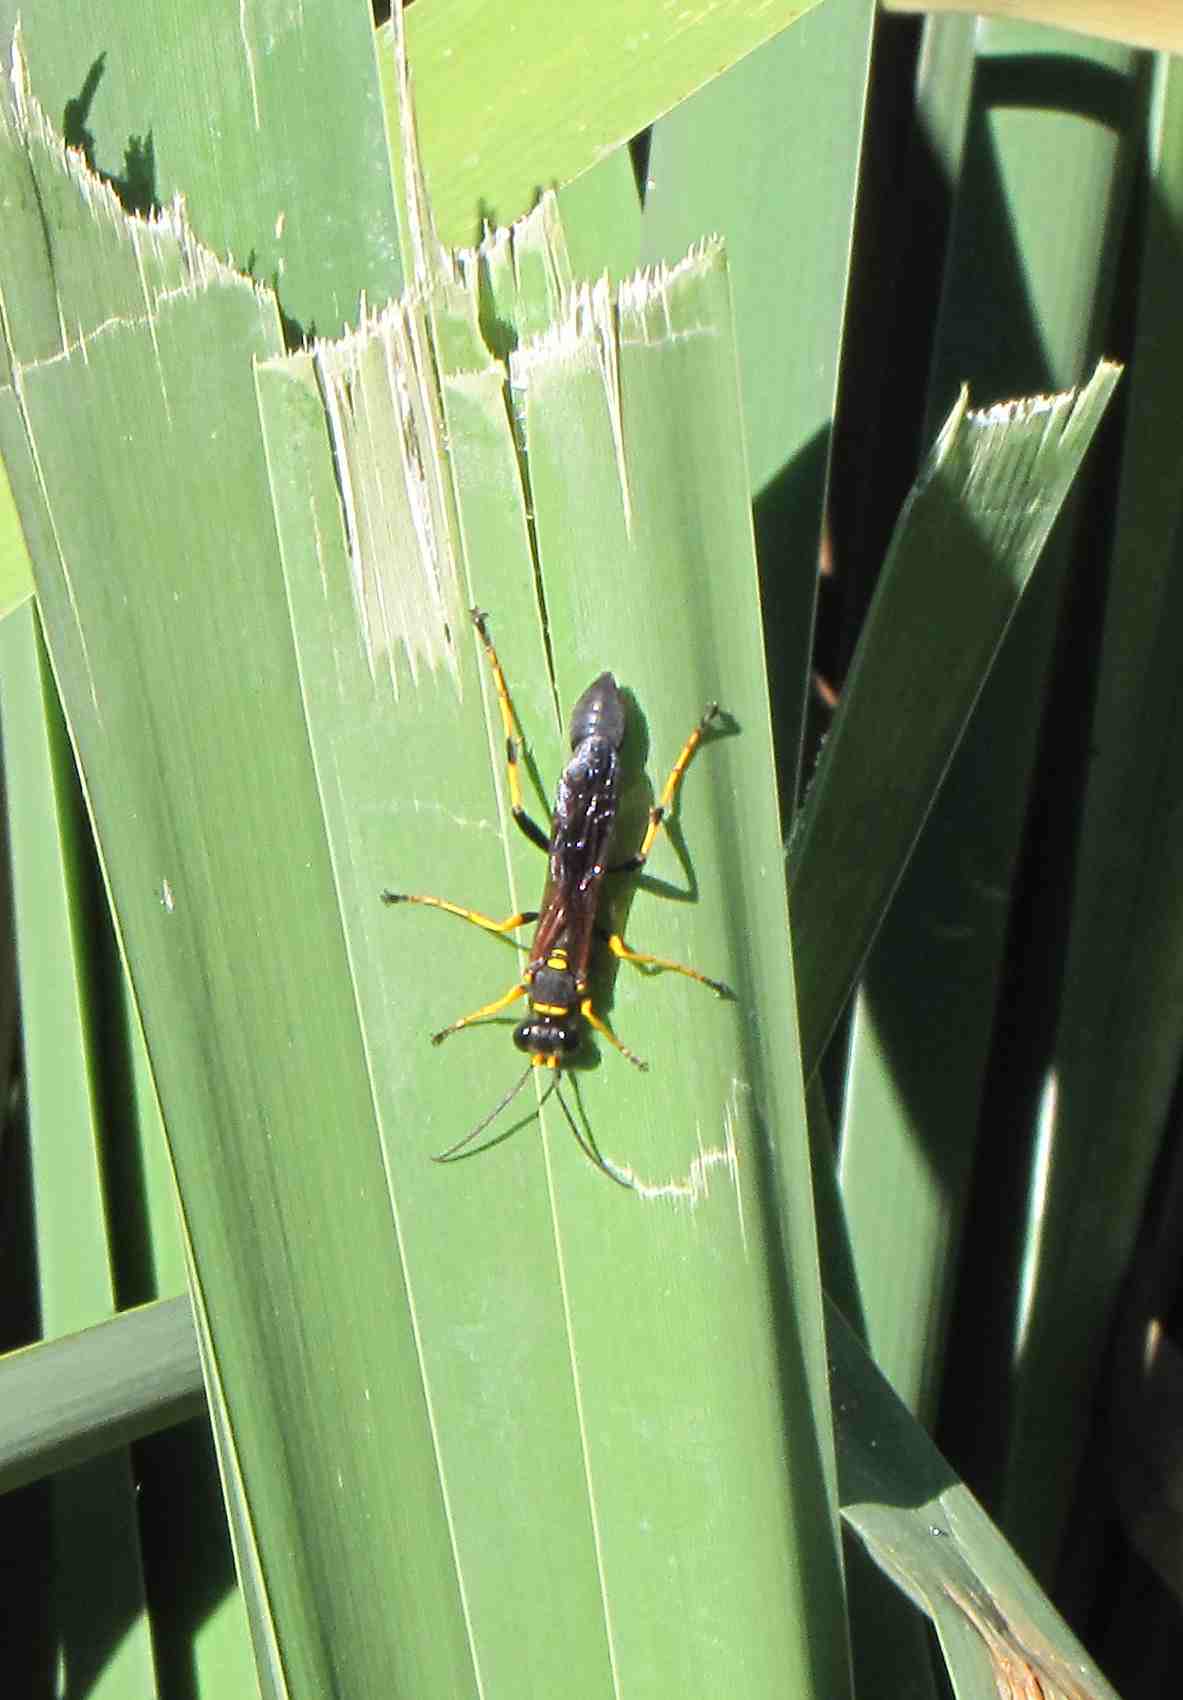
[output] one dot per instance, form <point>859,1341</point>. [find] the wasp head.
<point>549,1035</point>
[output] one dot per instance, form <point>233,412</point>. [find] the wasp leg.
<point>605,1032</point>
<point>521,919</point>
<point>618,948</point>
<point>514,993</point>
<point>513,736</point>
<point>665,802</point>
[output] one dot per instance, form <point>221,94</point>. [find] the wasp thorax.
<point>553,987</point>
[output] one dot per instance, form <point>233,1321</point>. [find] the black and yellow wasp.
<point>555,980</point>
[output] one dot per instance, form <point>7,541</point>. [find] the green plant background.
<point>501,1427</point>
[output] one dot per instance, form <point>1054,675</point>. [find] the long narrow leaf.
<point>962,553</point>
<point>635,1319</point>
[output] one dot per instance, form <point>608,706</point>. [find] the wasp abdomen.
<point>599,713</point>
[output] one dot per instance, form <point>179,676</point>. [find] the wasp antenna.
<point>454,1150</point>
<point>589,1150</point>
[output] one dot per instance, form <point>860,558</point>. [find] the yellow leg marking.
<point>605,1032</point>
<point>618,948</point>
<point>666,801</point>
<point>473,915</point>
<point>513,732</point>
<point>494,1008</point>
